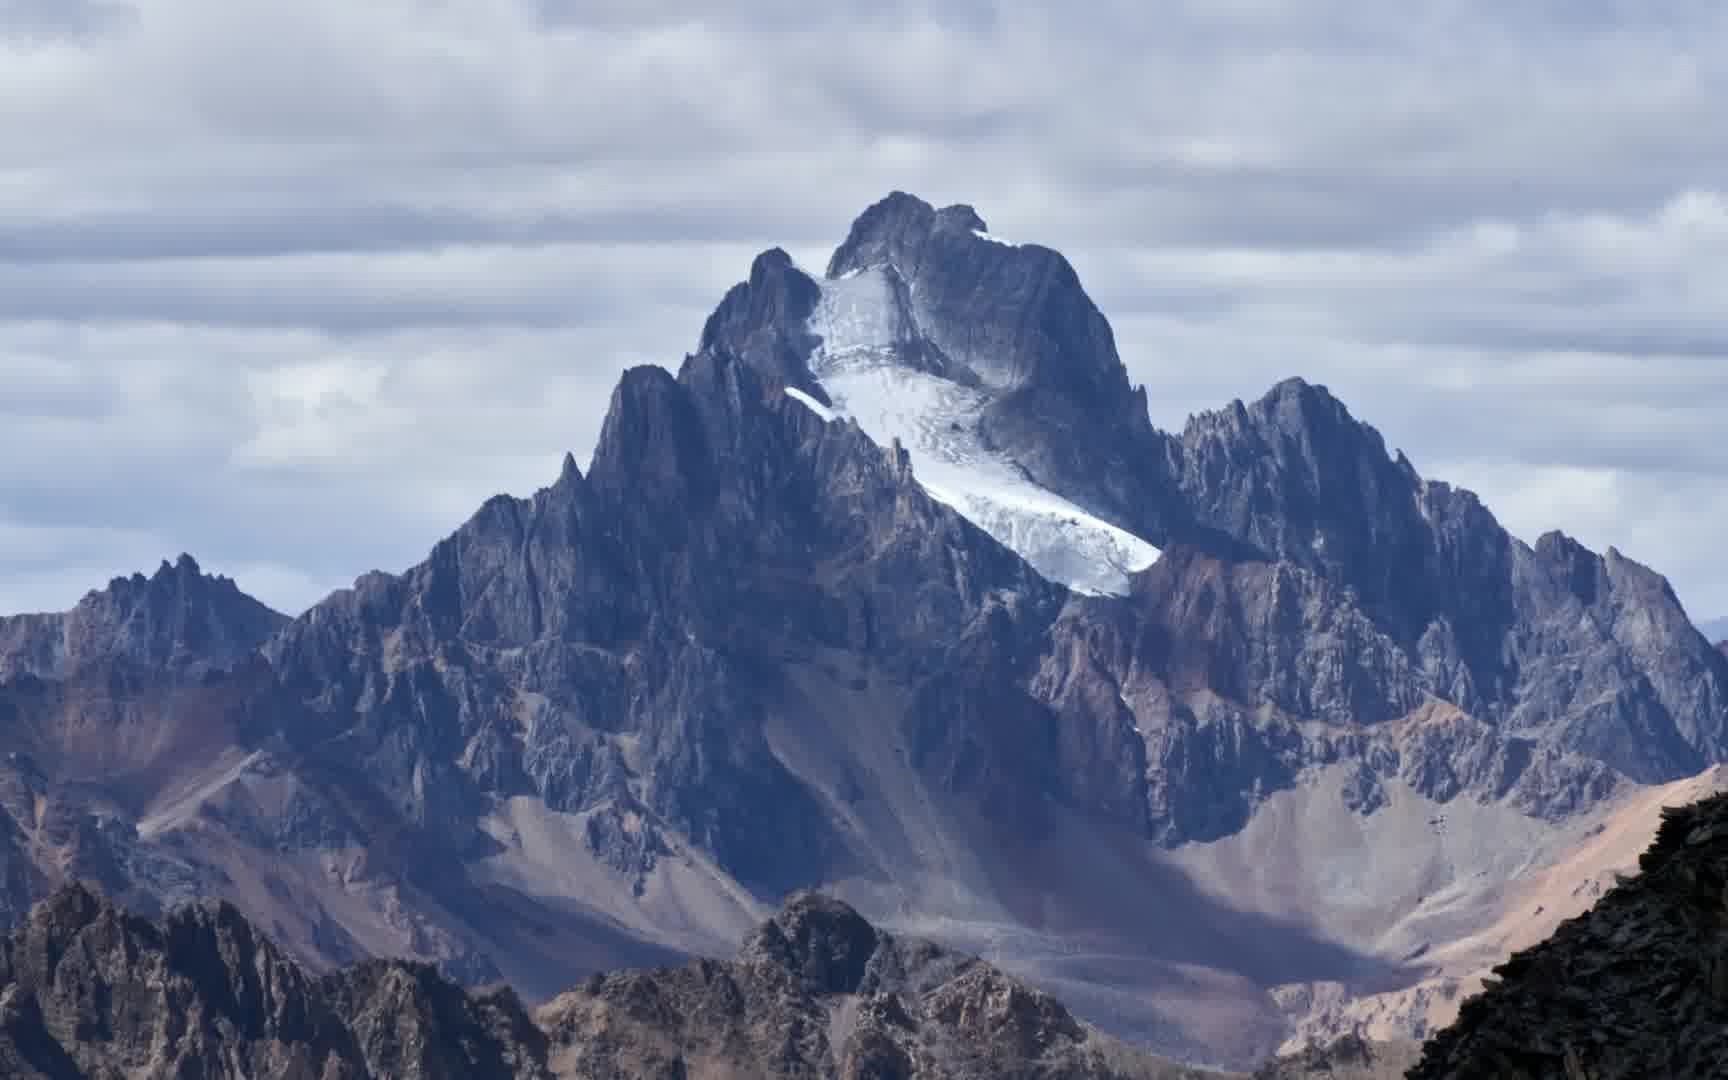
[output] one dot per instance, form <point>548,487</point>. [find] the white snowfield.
<point>810,403</point>
<point>864,327</point>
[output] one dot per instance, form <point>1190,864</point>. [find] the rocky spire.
<point>1014,314</point>
<point>764,321</point>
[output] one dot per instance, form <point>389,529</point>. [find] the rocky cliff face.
<point>1362,591</point>
<point>1638,986</point>
<point>88,991</point>
<point>615,643</point>
<point>177,620</point>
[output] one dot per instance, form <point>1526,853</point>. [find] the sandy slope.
<point>1486,921</point>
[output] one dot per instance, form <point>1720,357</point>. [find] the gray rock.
<point>177,620</point>
<point>87,991</point>
<point>818,992</point>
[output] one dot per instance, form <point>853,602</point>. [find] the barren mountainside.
<point>892,589</point>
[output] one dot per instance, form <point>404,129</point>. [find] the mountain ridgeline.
<point>892,589</point>
<point>91,992</point>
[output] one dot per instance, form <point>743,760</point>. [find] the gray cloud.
<point>295,287</point>
<point>45,19</point>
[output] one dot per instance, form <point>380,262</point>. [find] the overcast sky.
<point>295,286</point>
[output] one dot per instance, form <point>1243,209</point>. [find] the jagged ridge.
<point>88,991</point>
<point>179,619</point>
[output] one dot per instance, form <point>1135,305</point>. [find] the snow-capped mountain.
<point>876,368</point>
<point>758,647</point>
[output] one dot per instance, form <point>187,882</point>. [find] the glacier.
<point>870,360</point>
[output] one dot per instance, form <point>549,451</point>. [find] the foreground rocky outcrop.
<point>1636,987</point>
<point>89,991</point>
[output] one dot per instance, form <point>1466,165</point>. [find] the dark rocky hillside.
<point>1637,987</point>
<point>88,992</point>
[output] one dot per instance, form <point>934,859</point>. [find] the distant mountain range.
<point>892,590</point>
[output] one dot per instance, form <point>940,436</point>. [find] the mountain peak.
<point>1308,413</point>
<point>569,473</point>
<point>895,230</point>
<point>771,261</point>
<point>652,447</point>
<point>1294,388</point>
<point>1296,402</point>
<point>764,321</point>
<point>947,297</point>
<point>896,215</point>
<point>960,216</point>
<point>182,566</point>
<point>178,617</point>
<point>1013,316</point>
<point>967,348</point>
<point>823,941</point>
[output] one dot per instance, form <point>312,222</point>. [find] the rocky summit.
<point>891,588</point>
<point>88,991</point>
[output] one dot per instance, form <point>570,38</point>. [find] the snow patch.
<point>937,421</point>
<point>810,403</point>
<point>860,316</point>
<point>982,235</point>
<point>867,332</point>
